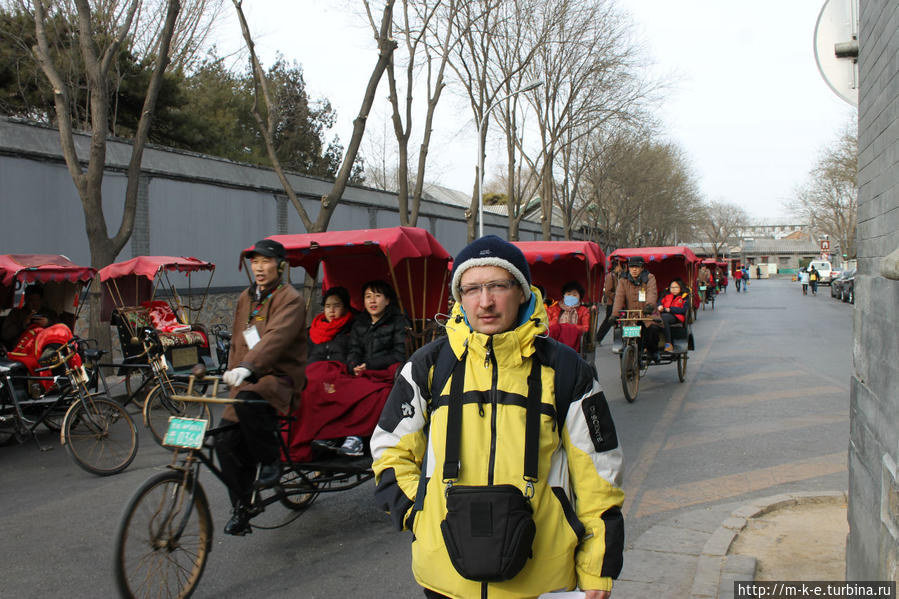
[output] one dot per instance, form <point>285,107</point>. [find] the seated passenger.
<point>31,313</point>
<point>672,309</point>
<point>329,334</point>
<point>377,347</point>
<point>569,318</point>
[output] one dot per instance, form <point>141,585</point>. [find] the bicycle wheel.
<point>292,483</point>
<point>163,540</point>
<point>630,372</point>
<point>159,405</point>
<point>99,435</point>
<point>682,367</point>
<point>54,418</point>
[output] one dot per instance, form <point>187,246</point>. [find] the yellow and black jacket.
<point>577,500</point>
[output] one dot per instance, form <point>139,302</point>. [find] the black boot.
<point>239,524</point>
<point>269,475</point>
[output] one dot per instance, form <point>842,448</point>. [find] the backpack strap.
<point>451,461</point>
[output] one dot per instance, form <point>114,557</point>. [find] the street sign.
<point>825,245</point>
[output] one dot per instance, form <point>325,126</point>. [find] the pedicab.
<point>165,534</point>
<point>708,291</point>
<point>157,330</point>
<point>555,263</point>
<point>52,378</point>
<point>666,264</point>
<point>722,272</point>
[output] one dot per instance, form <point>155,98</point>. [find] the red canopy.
<point>131,282</point>
<point>666,264</point>
<point>408,258</point>
<point>42,268</point>
<point>149,266</point>
<point>555,263</point>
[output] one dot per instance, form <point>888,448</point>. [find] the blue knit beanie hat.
<point>491,250</point>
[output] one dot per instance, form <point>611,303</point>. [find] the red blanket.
<point>335,404</point>
<point>569,334</point>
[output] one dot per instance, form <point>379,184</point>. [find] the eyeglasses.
<point>492,288</point>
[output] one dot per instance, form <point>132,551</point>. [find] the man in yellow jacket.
<point>503,371</point>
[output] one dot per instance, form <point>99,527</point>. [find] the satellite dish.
<point>836,47</point>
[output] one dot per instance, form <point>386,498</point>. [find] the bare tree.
<point>265,116</point>
<point>722,224</point>
<point>486,60</point>
<point>427,29</point>
<point>638,191</point>
<point>828,201</point>
<point>589,68</point>
<point>101,30</point>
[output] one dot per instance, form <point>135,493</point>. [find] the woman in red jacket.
<point>673,308</point>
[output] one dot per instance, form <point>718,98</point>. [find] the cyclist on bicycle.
<point>637,290</point>
<point>267,362</point>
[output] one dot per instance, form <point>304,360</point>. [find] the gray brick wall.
<point>874,390</point>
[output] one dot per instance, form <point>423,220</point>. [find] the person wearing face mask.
<point>569,319</point>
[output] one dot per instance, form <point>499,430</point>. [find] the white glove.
<point>235,377</point>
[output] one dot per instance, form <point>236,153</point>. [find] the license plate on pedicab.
<point>631,331</point>
<point>702,287</point>
<point>187,433</point>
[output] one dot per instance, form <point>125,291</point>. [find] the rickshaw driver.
<point>267,362</point>
<point>637,290</point>
<point>705,277</point>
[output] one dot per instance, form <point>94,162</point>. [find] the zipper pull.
<point>487,353</point>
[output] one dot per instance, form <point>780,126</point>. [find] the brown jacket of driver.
<point>627,296</point>
<point>278,360</point>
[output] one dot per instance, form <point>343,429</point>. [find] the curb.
<point>716,570</point>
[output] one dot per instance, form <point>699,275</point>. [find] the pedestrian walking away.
<point>758,272</point>
<point>803,278</point>
<point>813,277</point>
<point>738,279</point>
<point>497,448</point>
<point>265,366</point>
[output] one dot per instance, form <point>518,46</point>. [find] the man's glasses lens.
<point>493,287</point>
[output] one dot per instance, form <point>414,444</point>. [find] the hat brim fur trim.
<point>493,261</point>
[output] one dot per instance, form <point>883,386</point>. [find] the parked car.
<point>824,269</point>
<point>848,288</point>
<point>836,286</point>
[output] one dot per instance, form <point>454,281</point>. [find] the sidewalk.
<point>700,553</point>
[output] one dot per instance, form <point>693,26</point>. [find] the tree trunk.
<point>546,199</point>
<point>386,46</point>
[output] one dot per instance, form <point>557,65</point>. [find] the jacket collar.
<point>509,348</point>
<point>641,280</point>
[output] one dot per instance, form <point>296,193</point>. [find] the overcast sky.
<point>747,103</point>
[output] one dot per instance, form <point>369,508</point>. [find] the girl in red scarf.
<point>673,308</point>
<point>329,333</point>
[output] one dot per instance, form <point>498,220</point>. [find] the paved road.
<point>764,410</point>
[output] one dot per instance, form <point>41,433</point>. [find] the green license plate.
<point>702,287</point>
<point>627,332</point>
<point>185,432</point>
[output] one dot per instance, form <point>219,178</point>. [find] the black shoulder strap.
<point>532,422</point>
<point>451,459</point>
<point>443,367</point>
<point>454,422</point>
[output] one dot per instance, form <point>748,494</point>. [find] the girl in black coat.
<point>378,336</point>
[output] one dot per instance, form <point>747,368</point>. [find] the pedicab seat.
<point>135,319</point>
<point>12,367</point>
